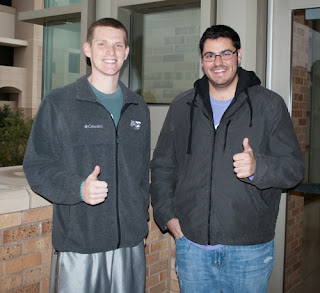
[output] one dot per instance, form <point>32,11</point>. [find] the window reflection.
<point>61,64</point>
<point>56,3</point>
<point>164,53</point>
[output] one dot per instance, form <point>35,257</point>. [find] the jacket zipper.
<point>210,188</point>
<point>117,169</point>
<point>117,176</point>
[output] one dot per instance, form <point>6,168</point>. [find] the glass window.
<point>56,3</point>
<point>164,57</point>
<point>6,2</point>
<point>61,60</point>
<point>6,56</point>
<point>306,87</point>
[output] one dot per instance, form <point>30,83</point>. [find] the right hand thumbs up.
<point>94,175</point>
<point>94,191</point>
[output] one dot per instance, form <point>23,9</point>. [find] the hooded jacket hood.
<point>246,80</point>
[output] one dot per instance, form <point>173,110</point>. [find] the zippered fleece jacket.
<point>192,173</point>
<point>72,133</point>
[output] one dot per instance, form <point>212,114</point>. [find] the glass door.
<point>303,225</point>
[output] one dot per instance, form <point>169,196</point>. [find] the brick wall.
<point>25,254</point>
<point>294,232</point>
<point>25,251</point>
<point>157,259</point>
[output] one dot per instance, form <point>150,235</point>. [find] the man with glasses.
<point>226,150</point>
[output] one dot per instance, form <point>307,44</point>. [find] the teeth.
<point>109,61</point>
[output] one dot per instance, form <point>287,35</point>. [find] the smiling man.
<point>89,154</point>
<point>226,150</point>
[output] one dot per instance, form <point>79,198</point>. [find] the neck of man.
<point>223,92</point>
<point>105,84</point>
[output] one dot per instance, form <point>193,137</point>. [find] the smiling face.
<point>222,74</point>
<point>107,51</point>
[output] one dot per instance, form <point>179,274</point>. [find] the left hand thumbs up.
<point>244,163</point>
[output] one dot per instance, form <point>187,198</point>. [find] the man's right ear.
<point>87,49</point>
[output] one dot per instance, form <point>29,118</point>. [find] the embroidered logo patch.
<point>93,126</point>
<point>135,124</point>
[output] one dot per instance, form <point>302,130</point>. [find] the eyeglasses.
<point>225,55</point>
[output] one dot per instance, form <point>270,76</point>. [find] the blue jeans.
<point>230,269</point>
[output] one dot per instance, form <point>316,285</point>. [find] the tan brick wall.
<point>157,259</point>
<point>294,232</point>
<point>25,254</point>
<point>25,250</point>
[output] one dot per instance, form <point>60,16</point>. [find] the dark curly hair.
<point>220,31</point>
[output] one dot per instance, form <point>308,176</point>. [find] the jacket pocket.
<point>257,200</point>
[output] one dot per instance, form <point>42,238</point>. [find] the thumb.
<point>94,175</point>
<point>246,146</point>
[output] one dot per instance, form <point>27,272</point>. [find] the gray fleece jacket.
<point>72,133</point>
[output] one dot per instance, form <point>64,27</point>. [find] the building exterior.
<point>164,60</point>
<point>21,57</point>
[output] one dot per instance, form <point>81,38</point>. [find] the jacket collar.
<point>85,92</point>
<point>247,79</point>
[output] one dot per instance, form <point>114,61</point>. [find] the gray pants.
<point>118,271</point>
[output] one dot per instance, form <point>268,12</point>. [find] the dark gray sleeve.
<point>45,171</point>
<point>283,165</point>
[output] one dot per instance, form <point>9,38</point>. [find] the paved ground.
<point>12,177</point>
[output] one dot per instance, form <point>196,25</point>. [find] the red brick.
<point>154,236</point>
<point>10,220</point>
<point>152,258</point>
<point>46,227</point>
<point>164,254</point>
<point>22,263</point>
<point>45,286</point>
<point>152,281</point>
<point>287,287</point>
<point>163,276</point>
<point>9,251</point>
<point>36,274</point>
<point>37,215</point>
<point>34,288</point>
<point>158,267</point>
<point>161,244</point>
<point>46,256</point>
<point>37,244</point>
<point>162,287</point>
<point>11,282</point>
<point>147,249</point>
<point>295,212</point>
<point>20,233</point>
<point>290,222</point>
<point>153,226</point>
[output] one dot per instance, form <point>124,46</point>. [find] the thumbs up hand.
<point>94,191</point>
<point>244,163</point>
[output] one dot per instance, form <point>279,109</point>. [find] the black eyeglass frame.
<point>216,55</point>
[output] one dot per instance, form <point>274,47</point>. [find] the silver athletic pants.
<point>118,271</point>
